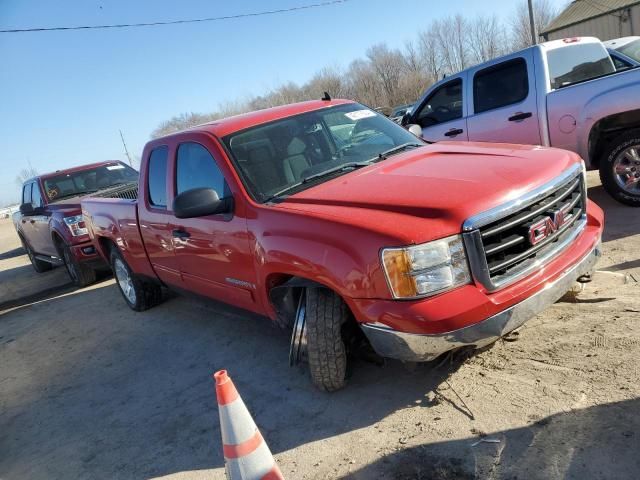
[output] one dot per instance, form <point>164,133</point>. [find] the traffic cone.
<point>246,454</point>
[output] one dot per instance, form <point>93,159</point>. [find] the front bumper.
<point>411,347</point>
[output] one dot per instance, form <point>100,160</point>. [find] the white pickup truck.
<point>564,93</point>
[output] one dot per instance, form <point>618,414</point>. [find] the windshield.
<point>285,154</point>
<point>88,181</point>
<point>631,50</point>
<point>578,63</point>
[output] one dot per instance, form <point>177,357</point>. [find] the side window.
<point>36,197</point>
<point>500,85</point>
<point>444,105</point>
<point>157,177</point>
<point>26,193</point>
<point>196,168</point>
<point>620,64</point>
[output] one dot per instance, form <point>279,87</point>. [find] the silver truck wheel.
<point>620,168</point>
<point>124,281</point>
<point>138,294</point>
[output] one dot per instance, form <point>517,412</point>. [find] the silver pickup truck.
<point>564,93</point>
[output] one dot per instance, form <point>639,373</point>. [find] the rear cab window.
<point>500,85</point>
<point>157,177</point>
<point>577,63</point>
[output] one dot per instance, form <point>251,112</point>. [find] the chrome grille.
<point>128,191</point>
<point>507,243</point>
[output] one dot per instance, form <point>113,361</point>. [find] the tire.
<point>81,275</point>
<point>39,266</point>
<point>138,295</point>
<point>326,313</point>
<point>614,160</point>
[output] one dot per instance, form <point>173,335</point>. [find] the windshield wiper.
<point>315,176</point>
<point>392,151</point>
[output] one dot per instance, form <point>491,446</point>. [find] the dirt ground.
<point>90,389</point>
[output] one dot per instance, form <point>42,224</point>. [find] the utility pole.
<point>125,148</point>
<point>532,22</point>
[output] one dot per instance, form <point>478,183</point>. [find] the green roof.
<point>580,10</point>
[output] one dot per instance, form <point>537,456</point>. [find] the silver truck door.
<point>503,101</point>
<point>441,113</point>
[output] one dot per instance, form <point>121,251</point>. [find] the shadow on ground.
<point>110,393</point>
<point>16,252</point>
<point>626,219</point>
<point>598,442</point>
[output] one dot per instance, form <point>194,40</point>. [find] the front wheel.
<point>326,313</point>
<point>139,295</point>
<point>620,168</point>
<point>81,275</point>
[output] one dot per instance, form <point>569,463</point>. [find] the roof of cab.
<point>79,168</point>
<point>225,126</point>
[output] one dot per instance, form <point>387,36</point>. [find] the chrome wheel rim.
<point>626,169</point>
<point>125,282</point>
<point>298,348</point>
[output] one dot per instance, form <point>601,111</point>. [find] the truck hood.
<point>429,192</point>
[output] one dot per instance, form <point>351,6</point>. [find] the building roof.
<point>580,10</point>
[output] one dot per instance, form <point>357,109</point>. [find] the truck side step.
<point>52,260</point>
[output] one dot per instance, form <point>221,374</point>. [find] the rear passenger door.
<point>213,251</point>
<point>442,113</point>
<point>504,102</point>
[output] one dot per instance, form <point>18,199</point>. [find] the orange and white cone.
<point>246,454</point>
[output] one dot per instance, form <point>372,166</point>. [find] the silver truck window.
<point>443,105</point>
<point>578,63</point>
<point>157,177</point>
<point>36,196</point>
<point>500,85</point>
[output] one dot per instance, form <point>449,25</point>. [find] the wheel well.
<point>608,128</point>
<point>105,245</point>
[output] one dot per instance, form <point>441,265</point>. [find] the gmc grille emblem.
<point>549,225</point>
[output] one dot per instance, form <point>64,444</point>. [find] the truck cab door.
<point>213,251</point>
<point>504,102</point>
<point>42,239</point>
<point>27,221</point>
<point>441,114</point>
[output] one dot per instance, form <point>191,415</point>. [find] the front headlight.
<point>76,225</point>
<point>426,269</point>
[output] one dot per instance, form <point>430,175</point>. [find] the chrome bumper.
<point>411,347</point>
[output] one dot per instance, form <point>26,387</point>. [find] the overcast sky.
<point>65,95</point>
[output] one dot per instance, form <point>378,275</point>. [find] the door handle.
<point>520,116</point>
<point>453,132</point>
<point>24,221</point>
<point>32,221</point>
<point>179,233</point>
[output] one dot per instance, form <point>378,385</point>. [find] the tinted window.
<point>620,64</point>
<point>157,177</point>
<point>275,159</point>
<point>631,49</point>
<point>578,63</point>
<point>444,105</point>
<point>26,193</point>
<point>500,85</point>
<point>36,198</point>
<point>196,168</point>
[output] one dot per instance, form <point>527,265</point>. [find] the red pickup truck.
<point>50,224</point>
<point>334,221</point>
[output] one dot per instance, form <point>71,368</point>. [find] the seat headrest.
<point>296,147</point>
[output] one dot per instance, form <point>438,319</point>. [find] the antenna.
<point>125,148</point>
<point>326,98</point>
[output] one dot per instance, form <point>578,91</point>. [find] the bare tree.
<point>26,173</point>
<point>452,41</point>
<point>543,14</point>
<point>486,38</point>
<point>388,65</point>
<point>430,53</point>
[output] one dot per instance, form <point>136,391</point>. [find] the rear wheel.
<point>325,315</point>
<point>39,266</point>
<point>138,294</point>
<point>81,275</point>
<point>620,168</point>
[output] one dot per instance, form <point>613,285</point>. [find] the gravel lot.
<point>90,389</point>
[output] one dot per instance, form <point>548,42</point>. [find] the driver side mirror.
<point>26,209</point>
<point>200,202</point>
<point>415,129</point>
